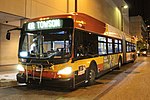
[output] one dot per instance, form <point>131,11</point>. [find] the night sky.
<point>140,7</point>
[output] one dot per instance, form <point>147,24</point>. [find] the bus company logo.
<point>46,24</point>
<point>81,70</point>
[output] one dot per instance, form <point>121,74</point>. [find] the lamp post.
<point>148,47</point>
<point>76,6</point>
<point>67,6</point>
<point>148,38</point>
<point>122,16</point>
<point>122,26</point>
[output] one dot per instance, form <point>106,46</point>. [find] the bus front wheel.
<point>91,76</point>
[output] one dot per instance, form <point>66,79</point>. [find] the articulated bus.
<point>70,49</point>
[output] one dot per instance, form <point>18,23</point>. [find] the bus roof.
<point>85,22</point>
<point>81,21</point>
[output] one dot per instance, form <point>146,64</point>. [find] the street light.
<point>122,17</point>
<point>125,6</point>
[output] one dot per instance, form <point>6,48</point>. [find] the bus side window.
<point>102,45</point>
<point>80,50</point>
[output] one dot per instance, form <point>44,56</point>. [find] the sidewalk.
<point>8,76</point>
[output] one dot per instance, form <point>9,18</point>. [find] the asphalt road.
<point>136,86</point>
<point>116,85</point>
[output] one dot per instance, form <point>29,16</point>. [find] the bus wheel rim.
<point>92,75</point>
<point>119,64</point>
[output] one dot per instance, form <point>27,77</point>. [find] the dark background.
<point>140,7</point>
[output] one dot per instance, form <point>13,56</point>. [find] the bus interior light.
<point>23,54</point>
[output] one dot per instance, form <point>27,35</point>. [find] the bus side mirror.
<point>8,35</point>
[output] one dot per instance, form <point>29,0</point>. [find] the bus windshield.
<point>45,44</point>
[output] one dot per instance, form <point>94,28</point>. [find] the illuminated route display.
<point>46,24</point>
<point>49,24</point>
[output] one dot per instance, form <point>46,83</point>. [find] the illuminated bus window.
<point>102,48</point>
<point>100,38</point>
<point>133,47</point>
<point>127,44</point>
<point>129,47</point>
<point>102,45</point>
<point>116,46</point>
<point>120,46</point>
<point>110,46</point>
<point>58,44</point>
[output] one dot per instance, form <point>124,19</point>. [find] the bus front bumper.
<point>66,82</point>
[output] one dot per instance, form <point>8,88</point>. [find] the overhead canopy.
<point>6,18</point>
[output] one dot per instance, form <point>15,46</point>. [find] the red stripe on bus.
<point>100,67</point>
<point>49,74</point>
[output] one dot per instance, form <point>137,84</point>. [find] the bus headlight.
<point>65,71</point>
<point>144,52</point>
<point>20,67</point>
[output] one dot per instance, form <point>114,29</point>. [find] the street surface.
<point>130,83</point>
<point>135,87</point>
<point>8,76</point>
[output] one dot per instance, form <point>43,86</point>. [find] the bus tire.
<point>134,58</point>
<point>119,64</point>
<point>91,76</point>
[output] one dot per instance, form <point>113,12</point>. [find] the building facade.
<point>139,30</point>
<point>14,12</point>
<point>138,27</point>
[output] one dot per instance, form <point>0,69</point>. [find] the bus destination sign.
<point>45,24</point>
